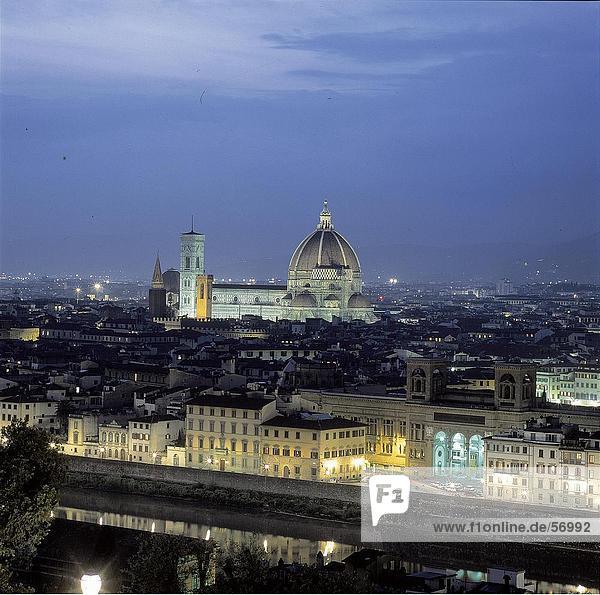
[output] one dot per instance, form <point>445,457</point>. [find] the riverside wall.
<point>222,479</point>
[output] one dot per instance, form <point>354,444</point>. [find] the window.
<point>233,428</point>
<point>297,452</point>
<point>314,436</point>
<point>388,427</point>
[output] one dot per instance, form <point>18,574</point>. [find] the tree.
<point>63,410</point>
<point>30,472</point>
<point>243,568</point>
<point>169,564</point>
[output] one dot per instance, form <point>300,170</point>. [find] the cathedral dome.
<point>324,248</point>
<point>359,301</point>
<point>304,300</point>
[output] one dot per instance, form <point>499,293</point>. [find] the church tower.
<point>190,267</point>
<point>157,296</point>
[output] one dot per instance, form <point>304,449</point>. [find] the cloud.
<point>179,47</point>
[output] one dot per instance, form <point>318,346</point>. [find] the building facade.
<point>313,447</point>
<point>570,385</point>
<point>35,412</point>
<point>545,463</point>
<point>223,432</point>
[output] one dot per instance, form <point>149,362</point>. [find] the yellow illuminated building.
<point>204,285</point>
<point>314,447</point>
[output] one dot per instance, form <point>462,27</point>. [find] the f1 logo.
<point>389,494</point>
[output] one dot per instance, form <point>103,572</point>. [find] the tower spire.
<point>157,278</point>
<point>325,218</point>
<point>192,223</point>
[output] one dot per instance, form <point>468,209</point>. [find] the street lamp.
<point>77,292</point>
<point>91,584</point>
<point>97,287</point>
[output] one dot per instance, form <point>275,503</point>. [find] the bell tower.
<point>191,266</point>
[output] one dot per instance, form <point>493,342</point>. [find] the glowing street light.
<point>91,584</point>
<point>77,292</point>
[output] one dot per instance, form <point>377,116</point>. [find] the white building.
<point>35,412</point>
<point>545,463</point>
<point>570,385</point>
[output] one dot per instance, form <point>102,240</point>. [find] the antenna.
<point>192,222</point>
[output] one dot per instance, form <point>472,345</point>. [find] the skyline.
<point>423,125</point>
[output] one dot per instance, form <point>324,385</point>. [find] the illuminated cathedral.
<point>324,281</point>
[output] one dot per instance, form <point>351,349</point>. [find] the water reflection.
<point>289,548</point>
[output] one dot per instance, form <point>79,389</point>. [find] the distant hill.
<point>574,260</point>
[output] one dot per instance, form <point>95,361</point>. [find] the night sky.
<point>423,124</point>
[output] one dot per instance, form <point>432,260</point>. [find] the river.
<point>292,538</point>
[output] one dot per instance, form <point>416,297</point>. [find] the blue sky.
<point>434,124</point>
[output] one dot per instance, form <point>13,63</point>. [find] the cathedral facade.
<point>324,281</point>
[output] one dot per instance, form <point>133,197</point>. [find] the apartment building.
<point>313,446</point>
<point>34,411</point>
<point>223,432</point>
<point>546,463</point>
<point>570,385</point>
<point>149,436</point>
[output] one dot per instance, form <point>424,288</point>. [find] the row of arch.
<point>117,439</point>
<point>456,452</point>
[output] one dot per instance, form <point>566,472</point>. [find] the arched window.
<point>103,436</point>
<point>507,387</point>
<point>418,381</point>
<point>437,382</point>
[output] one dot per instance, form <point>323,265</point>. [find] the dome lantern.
<point>325,218</point>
